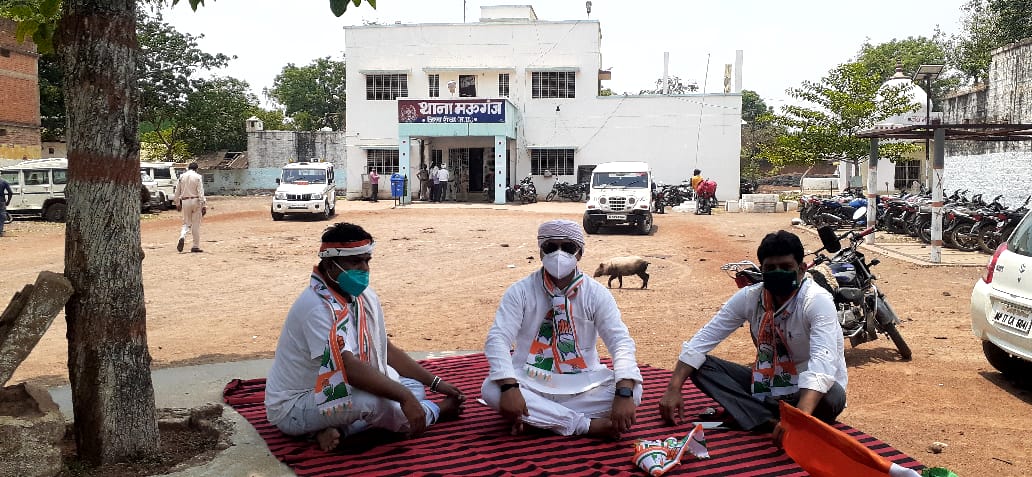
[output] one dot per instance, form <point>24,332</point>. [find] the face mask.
<point>353,282</point>
<point>559,264</point>
<point>780,282</point>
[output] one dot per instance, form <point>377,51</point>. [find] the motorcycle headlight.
<point>281,196</point>
<point>317,196</point>
<point>602,200</point>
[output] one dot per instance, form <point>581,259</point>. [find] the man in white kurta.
<point>190,200</point>
<point>545,369</point>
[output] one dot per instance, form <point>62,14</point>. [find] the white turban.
<point>560,230</point>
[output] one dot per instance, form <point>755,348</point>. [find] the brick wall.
<point>19,96</point>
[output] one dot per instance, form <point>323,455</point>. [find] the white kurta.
<point>564,403</point>
<point>812,332</point>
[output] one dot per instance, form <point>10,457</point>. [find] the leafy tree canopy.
<point>845,102</point>
<point>909,53</point>
<point>314,95</point>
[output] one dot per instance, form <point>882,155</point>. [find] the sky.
<point>784,42</point>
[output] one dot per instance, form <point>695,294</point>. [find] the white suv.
<point>305,188</point>
<point>1001,304</point>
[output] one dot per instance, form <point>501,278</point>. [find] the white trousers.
<point>564,414</point>
<point>367,411</point>
<point>192,220</point>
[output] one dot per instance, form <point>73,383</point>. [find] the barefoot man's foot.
<point>451,407</point>
<point>328,438</point>
<point>603,428</point>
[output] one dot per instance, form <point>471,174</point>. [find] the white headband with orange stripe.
<point>345,249</point>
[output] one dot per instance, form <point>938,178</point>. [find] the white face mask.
<point>559,264</point>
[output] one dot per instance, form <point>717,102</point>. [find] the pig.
<point>618,267</point>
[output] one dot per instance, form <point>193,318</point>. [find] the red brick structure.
<point>19,96</point>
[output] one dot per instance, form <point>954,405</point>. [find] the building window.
<point>906,173</point>
<point>384,161</point>
<point>557,161</point>
<point>435,86</point>
<point>208,177</point>
<point>386,87</point>
<point>503,85</point>
<point>50,150</point>
<point>467,86</point>
<point>436,157</point>
<point>553,84</point>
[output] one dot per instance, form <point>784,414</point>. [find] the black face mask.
<point>780,283</point>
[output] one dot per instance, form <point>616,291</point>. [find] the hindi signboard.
<point>443,111</point>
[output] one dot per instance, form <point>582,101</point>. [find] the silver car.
<point>1001,304</point>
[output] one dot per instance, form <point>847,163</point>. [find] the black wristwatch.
<point>507,386</point>
<point>624,392</point>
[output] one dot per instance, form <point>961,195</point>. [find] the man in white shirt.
<point>545,370</point>
<point>799,359</point>
<point>336,373</point>
<point>443,176</point>
<point>190,200</point>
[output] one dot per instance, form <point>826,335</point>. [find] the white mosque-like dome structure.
<point>911,90</point>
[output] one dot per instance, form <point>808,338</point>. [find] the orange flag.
<point>823,451</point>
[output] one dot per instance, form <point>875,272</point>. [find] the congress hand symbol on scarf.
<point>774,372</point>
<point>555,349</point>
<point>332,391</point>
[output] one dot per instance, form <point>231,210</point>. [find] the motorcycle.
<point>863,311</point>
<point>525,191</point>
<point>565,190</point>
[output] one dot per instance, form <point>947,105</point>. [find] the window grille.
<point>503,85</point>
<point>384,161</point>
<point>553,84</point>
<point>435,86</point>
<point>467,86</point>
<point>906,173</point>
<point>557,161</point>
<point>386,87</point>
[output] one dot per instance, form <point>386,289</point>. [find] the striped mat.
<point>479,443</point>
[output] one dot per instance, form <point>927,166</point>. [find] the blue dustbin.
<point>397,185</point>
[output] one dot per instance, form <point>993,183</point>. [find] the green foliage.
<point>153,148</point>
<point>1013,19</point>
<point>215,114</point>
<point>314,95</point>
<point>676,86</point>
<point>759,131</point>
<point>605,92</point>
<point>843,103</point>
<point>338,7</point>
<point>37,20</point>
<point>972,50</point>
<point>910,53</point>
<point>51,98</point>
<point>273,120</point>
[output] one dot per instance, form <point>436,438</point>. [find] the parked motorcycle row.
<point>525,191</point>
<point>863,310</point>
<point>969,224</point>
<point>565,190</point>
<point>670,195</point>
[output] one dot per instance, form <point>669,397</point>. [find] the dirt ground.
<point>441,270</point>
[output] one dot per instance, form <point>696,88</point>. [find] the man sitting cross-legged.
<point>335,372</point>
<point>545,369</point>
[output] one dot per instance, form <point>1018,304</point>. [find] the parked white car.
<point>620,194</point>
<point>165,178</point>
<point>305,188</point>
<point>1001,304</point>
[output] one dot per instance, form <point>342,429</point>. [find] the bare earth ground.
<point>441,270</point>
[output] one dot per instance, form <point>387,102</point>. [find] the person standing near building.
<point>443,176</point>
<point>6,195</point>
<point>542,349</point>
<point>435,183</point>
<point>336,372</point>
<point>696,180</point>
<point>191,202</point>
<point>424,182</point>
<point>374,183</point>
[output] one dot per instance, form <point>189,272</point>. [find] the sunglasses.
<point>568,247</point>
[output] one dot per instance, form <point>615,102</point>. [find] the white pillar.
<point>872,189</point>
<point>500,145</point>
<point>405,165</point>
<point>937,165</point>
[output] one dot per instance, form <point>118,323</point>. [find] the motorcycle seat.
<point>851,295</point>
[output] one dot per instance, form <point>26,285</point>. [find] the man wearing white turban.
<point>545,370</point>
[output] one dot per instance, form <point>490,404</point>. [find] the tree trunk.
<point>108,360</point>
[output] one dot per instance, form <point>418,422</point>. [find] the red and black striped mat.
<point>479,443</point>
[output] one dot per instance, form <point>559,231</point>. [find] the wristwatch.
<point>507,386</point>
<point>624,392</point>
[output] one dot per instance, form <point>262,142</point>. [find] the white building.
<point>513,95</point>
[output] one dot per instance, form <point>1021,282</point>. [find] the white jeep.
<point>621,194</point>
<point>305,188</point>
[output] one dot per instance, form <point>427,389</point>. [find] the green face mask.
<point>353,282</point>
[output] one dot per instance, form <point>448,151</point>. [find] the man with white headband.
<point>336,373</point>
<point>545,370</point>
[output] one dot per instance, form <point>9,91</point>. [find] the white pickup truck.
<point>305,188</point>
<point>620,194</point>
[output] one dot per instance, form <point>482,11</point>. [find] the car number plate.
<point>1013,318</point>
<point>616,217</point>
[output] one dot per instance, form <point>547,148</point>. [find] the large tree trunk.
<point>108,360</point>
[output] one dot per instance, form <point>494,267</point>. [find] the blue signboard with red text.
<point>451,111</point>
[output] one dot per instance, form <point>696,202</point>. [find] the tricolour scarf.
<point>332,391</point>
<point>774,372</point>
<point>555,349</point>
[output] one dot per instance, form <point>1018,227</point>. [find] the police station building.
<point>512,95</point>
